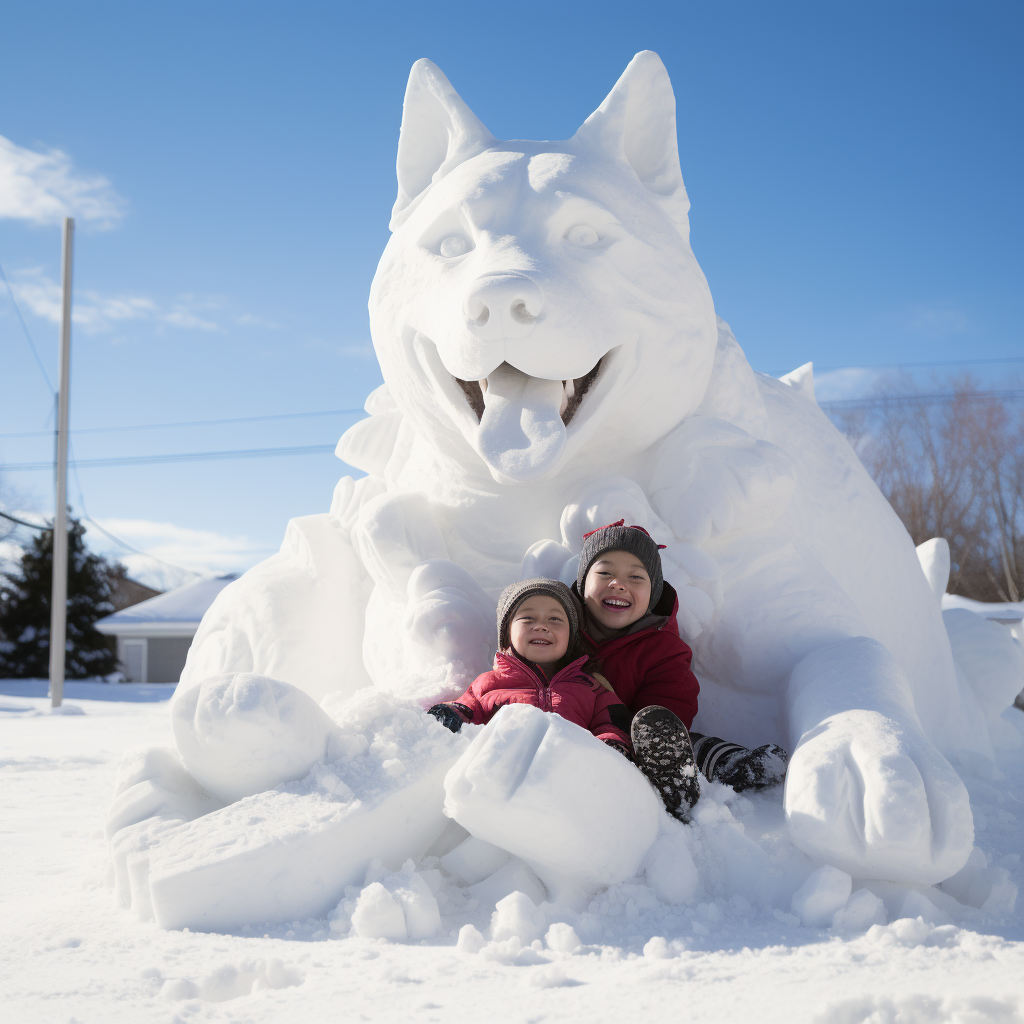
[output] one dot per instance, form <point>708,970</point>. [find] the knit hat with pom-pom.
<point>616,537</point>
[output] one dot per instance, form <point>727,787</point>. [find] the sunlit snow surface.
<point>67,953</point>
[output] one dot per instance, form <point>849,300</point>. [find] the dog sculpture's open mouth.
<point>573,391</point>
<point>519,424</point>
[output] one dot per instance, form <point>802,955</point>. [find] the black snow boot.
<point>662,750</point>
<point>739,767</point>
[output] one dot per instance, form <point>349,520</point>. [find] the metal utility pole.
<point>59,594</point>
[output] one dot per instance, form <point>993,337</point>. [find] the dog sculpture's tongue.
<point>521,431</point>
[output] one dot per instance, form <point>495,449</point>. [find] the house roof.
<point>1006,612</point>
<point>176,613</point>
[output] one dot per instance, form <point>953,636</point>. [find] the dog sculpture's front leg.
<point>429,625</point>
<point>866,789</point>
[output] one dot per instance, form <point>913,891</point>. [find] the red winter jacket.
<point>651,666</point>
<point>570,693</point>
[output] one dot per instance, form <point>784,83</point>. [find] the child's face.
<point>617,590</point>
<point>540,629</point>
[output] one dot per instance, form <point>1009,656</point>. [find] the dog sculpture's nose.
<point>503,306</point>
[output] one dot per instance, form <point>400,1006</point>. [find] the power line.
<point>898,366</point>
<point>117,540</point>
<point>192,423</point>
<point>24,327</point>
<point>140,460</point>
<point>937,362</point>
<point>22,522</point>
<point>885,401</point>
<point>320,449</point>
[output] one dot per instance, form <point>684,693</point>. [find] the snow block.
<point>474,860</point>
<point>514,876</point>
<point>823,894</point>
<point>549,792</point>
<point>978,885</point>
<point>288,854</point>
<point>862,910</point>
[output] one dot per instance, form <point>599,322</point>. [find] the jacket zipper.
<point>544,691</point>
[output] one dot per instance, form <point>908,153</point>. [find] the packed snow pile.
<point>553,362</point>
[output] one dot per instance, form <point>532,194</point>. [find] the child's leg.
<point>662,751</point>
<point>736,766</point>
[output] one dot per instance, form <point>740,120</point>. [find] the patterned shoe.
<point>661,748</point>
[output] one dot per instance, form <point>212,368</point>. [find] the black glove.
<point>447,716</point>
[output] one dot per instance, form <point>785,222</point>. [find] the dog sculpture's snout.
<point>503,306</point>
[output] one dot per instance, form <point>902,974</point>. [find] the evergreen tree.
<point>25,611</point>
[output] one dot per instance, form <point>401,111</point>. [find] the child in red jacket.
<point>542,661</point>
<point>629,615</point>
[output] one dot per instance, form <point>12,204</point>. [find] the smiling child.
<point>541,661</point>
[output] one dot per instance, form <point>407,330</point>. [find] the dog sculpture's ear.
<point>438,132</point>
<point>637,123</point>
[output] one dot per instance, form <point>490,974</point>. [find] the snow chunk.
<point>517,916</point>
<point>391,905</point>
<point>397,905</point>
<point>232,982</point>
<point>470,940</point>
<point>562,938</point>
<point>862,910</point>
<point>670,870</point>
<point>378,914</point>
<point>821,896</point>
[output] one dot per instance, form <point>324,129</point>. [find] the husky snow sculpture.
<point>553,362</point>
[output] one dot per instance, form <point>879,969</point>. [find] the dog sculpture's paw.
<point>243,733</point>
<point>873,796</point>
<point>153,795</point>
<point>450,615</point>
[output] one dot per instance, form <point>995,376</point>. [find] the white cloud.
<point>198,551</point>
<point>938,321</point>
<point>849,382</point>
<point>358,349</point>
<point>45,187</point>
<point>95,313</point>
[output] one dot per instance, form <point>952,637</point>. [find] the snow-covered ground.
<point>67,953</point>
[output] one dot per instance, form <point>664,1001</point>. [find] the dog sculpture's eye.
<point>581,234</point>
<point>454,245</point>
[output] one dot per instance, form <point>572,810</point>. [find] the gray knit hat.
<point>616,537</point>
<point>512,596</point>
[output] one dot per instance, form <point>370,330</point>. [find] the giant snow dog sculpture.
<point>553,362</point>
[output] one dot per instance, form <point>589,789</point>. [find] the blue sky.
<point>854,171</point>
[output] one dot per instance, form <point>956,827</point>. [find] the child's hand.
<point>447,716</point>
